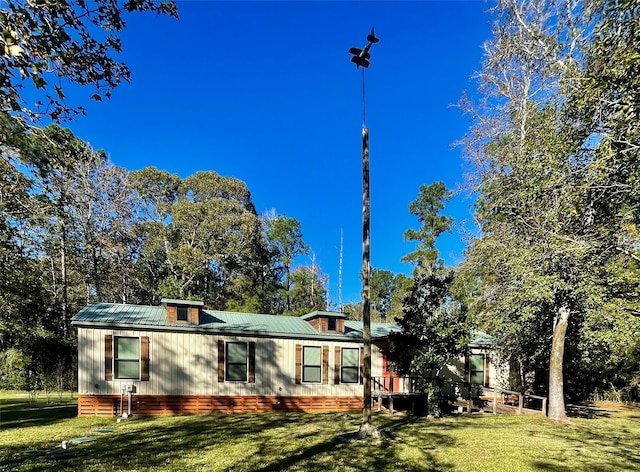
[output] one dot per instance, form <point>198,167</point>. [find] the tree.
<point>202,238</point>
<point>308,292</point>
<point>433,324</point>
<point>387,292</point>
<point>31,331</point>
<point>426,207</point>
<point>383,284</point>
<point>57,151</point>
<point>86,216</point>
<point>45,45</point>
<point>434,330</point>
<point>548,229</point>
<point>284,239</point>
<point>156,192</point>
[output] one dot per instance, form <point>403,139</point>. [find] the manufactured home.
<point>181,358</point>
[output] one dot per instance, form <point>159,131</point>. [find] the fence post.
<point>495,400</point>
<point>544,406</point>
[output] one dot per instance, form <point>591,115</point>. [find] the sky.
<point>265,92</point>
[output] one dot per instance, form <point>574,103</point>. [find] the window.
<point>182,313</point>
<point>236,362</point>
<point>312,364</point>
<point>127,358</point>
<point>476,369</point>
<point>350,365</point>
<point>331,324</point>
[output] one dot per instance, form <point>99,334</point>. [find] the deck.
<point>402,391</point>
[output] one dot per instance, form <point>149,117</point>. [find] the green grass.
<point>30,441</point>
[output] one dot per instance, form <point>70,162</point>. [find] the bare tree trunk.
<point>367,429</point>
<point>288,282</point>
<point>557,410</point>
<point>96,273</point>
<point>63,276</point>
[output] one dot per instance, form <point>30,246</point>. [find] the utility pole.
<point>361,59</point>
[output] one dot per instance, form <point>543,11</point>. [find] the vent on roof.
<point>182,311</point>
<point>330,322</point>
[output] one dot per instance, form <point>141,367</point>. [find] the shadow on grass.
<point>22,416</point>
<point>608,445</point>
<point>255,442</point>
<point>317,443</point>
<point>587,412</point>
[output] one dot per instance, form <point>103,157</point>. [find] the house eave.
<point>221,332</point>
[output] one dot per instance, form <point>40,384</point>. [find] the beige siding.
<point>187,364</point>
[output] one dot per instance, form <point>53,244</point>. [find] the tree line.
<point>76,229</point>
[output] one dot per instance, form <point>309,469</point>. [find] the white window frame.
<point>342,366</point>
<point>304,364</point>
<point>226,362</point>
<point>116,359</point>
<point>472,370</point>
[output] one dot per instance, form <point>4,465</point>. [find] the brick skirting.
<point>109,405</point>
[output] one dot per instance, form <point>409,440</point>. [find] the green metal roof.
<point>328,314</point>
<point>173,301</point>
<point>481,339</point>
<point>117,315</point>
<point>378,330</point>
<point>154,317</point>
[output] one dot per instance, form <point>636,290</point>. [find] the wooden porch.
<point>386,390</point>
<point>402,390</point>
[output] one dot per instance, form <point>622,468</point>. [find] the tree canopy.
<point>46,46</point>
<point>76,229</point>
<point>555,147</point>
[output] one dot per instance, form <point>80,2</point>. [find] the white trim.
<point>246,361</point>
<point>114,360</point>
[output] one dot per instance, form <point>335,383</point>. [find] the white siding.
<point>187,364</point>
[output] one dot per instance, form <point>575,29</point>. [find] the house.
<point>181,358</point>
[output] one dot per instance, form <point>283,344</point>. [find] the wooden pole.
<point>366,295</point>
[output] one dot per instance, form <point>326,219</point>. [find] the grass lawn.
<point>30,438</point>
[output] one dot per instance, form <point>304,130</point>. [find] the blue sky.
<point>264,92</point>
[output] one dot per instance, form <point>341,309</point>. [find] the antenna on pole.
<point>340,306</point>
<point>361,58</point>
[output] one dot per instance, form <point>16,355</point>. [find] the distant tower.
<point>340,306</point>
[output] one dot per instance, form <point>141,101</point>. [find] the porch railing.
<point>474,396</point>
<point>401,385</point>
